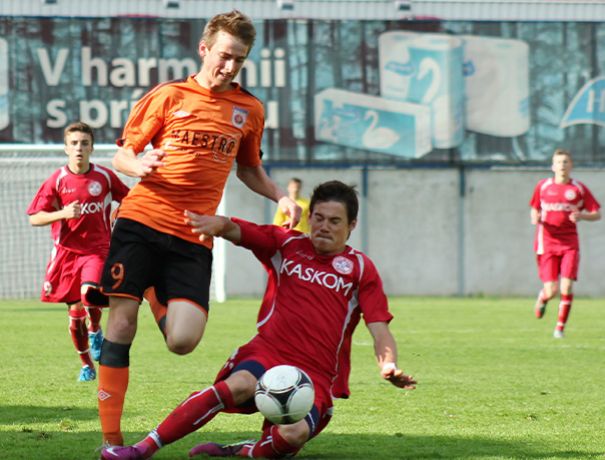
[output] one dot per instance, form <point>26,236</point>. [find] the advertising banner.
<point>334,91</point>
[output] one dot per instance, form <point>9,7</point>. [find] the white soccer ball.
<point>284,394</point>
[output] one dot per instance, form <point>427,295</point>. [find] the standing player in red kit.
<point>317,291</point>
<point>557,205</point>
<point>76,201</point>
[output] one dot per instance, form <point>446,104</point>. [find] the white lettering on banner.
<point>122,72</point>
<point>52,72</point>
<point>326,279</point>
<point>91,208</point>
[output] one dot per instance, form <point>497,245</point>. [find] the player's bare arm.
<point>72,211</point>
<point>257,180</point>
<point>210,226</point>
<point>535,216</point>
<point>385,348</point>
<point>585,215</point>
<point>127,162</point>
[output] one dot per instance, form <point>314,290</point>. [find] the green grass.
<point>493,384</point>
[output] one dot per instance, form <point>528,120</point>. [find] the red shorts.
<point>257,356</point>
<point>563,263</point>
<point>65,274</point>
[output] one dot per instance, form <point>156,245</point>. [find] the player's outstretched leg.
<point>95,333</point>
<point>79,337</point>
<point>564,309</point>
<point>540,306</point>
<point>193,413</point>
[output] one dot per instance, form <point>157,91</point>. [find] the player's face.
<point>222,61</point>
<point>561,165</point>
<point>330,228</point>
<point>78,147</point>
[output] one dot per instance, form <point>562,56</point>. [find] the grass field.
<point>493,384</point>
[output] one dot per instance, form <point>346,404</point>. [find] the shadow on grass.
<point>19,414</point>
<point>67,445</point>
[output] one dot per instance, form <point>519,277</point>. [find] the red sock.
<point>564,309</point>
<point>271,445</point>
<point>79,335</point>
<point>94,317</point>
<point>196,411</point>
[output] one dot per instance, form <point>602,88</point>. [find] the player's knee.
<point>181,345</point>
<point>296,434</point>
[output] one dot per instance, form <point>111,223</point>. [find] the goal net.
<point>24,249</point>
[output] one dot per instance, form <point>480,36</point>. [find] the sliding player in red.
<point>317,291</point>
<point>557,205</point>
<point>76,201</point>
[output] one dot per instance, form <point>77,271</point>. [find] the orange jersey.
<point>202,132</point>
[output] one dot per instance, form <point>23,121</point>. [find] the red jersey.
<point>313,302</point>
<point>202,133</point>
<point>556,202</point>
<point>95,190</point>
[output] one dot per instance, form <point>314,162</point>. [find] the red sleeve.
<point>590,202</point>
<point>262,240</point>
<point>372,299</point>
<point>46,199</point>
<point>119,189</point>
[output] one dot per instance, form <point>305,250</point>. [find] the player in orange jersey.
<point>198,127</point>
<point>76,202</point>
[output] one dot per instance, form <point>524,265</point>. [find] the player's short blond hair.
<point>234,23</point>
<point>79,127</point>
<point>559,152</point>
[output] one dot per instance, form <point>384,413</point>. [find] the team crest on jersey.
<point>342,265</point>
<point>570,195</point>
<point>94,188</point>
<point>239,117</point>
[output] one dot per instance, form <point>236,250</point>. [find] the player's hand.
<point>73,210</point>
<point>575,216</point>
<point>398,378</point>
<point>150,162</point>
<point>291,209</point>
<point>205,226</point>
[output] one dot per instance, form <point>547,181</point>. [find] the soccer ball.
<point>284,394</point>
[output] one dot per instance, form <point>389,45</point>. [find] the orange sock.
<point>113,383</point>
<point>158,309</point>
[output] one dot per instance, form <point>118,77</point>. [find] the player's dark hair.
<point>234,23</point>
<point>79,127</point>
<point>335,190</point>
<point>296,179</point>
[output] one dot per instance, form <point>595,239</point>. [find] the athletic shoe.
<point>539,309</point>
<point>124,453</point>
<point>87,374</point>
<point>558,334</point>
<point>96,340</point>
<point>213,449</point>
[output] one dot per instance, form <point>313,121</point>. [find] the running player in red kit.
<point>76,201</point>
<point>557,205</point>
<point>317,291</point>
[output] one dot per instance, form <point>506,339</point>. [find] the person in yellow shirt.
<point>294,189</point>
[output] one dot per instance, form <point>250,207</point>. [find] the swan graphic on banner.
<point>587,106</point>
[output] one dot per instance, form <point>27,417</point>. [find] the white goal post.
<point>24,250</point>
